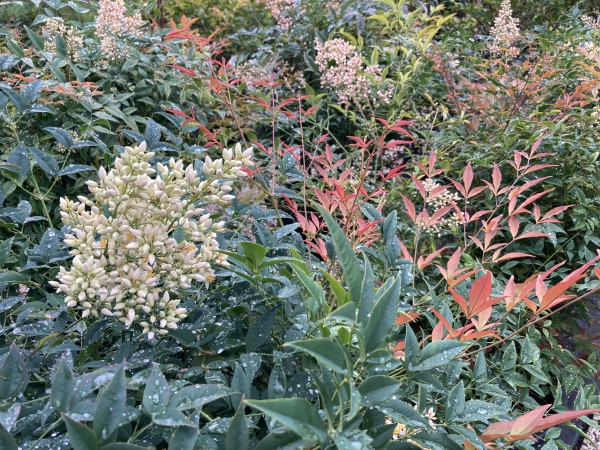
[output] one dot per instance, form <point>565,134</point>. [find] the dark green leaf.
<point>377,389</point>
<point>254,252</point>
<point>260,330</point>
<point>403,413</point>
<point>75,168</point>
<point>367,295</point>
<point>192,397</point>
<point>383,316</point>
<point>330,353</point>
<point>437,354</point>
<point>298,414</point>
<point>81,437</point>
<point>6,440</point>
<point>184,438</point>
<point>156,392</point>
<point>36,39</point>
<point>346,256</point>
<point>45,161</point>
<point>436,441</point>
<point>110,405</point>
<point>172,417</point>
<point>237,437</point>
<point>18,157</point>
<point>13,374</point>
<point>456,402</point>
<point>62,386</point>
<point>5,247</point>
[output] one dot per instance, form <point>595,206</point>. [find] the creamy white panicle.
<point>127,259</point>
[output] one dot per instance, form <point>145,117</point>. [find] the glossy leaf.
<point>110,405</point>
<point>81,437</point>
<point>156,392</point>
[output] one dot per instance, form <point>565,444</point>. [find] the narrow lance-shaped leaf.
<point>345,254</point>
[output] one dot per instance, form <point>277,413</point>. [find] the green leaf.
<point>61,46</point>
<point>156,392</point>
<point>260,330</point>
<point>346,313</point>
<point>13,374</point>
<point>298,414</point>
<point>45,161</point>
<point>14,48</point>
<point>237,437</point>
<point>530,352</point>
<point>315,290</point>
<point>383,316</point>
<point>184,438</point>
<point>403,413</point>
<point>172,417</point>
<point>280,439</point>
<point>254,252</point>
<point>6,440</point>
<point>36,39</point>
<point>330,353</point>
<point>18,157</point>
<point>81,437</point>
<point>437,354</point>
<point>110,405</point>
<point>345,254</point>
<point>456,402</point>
<point>193,397</point>
<point>62,386</point>
<point>338,290</point>
<point>480,369</point>
<point>367,295</point>
<point>5,247</point>
<point>75,168</point>
<point>123,446</point>
<point>62,136</point>
<point>277,382</point>
<point>377,389</point>
<point>509,357</point>
<point>479,410</point>
<point>436,441</point>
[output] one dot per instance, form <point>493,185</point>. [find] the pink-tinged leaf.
<point>556,419</point>
<point>496,178</point>
<point>432,160</point>
<point>513,255</point>
<point>443,320</point>
<point>524,425</point>
<point>479,214</point>
<point>437,334</point>
<point>437,191</point>
<point>419,186</point>
<point>468,178</point>
<point>510,294</point>
<point>454,261</point>
<point>523,188</point>
<point>401,320</point>
<point>533,198</point>
<point>480,292</point>
<point>477,242</point>
<point>482,318</point>
<point>556,291</point>
<point>513,226</point>
<point>555,211</point>
<point>536,145</point>
<point>540,288</point>
<point>476,191</point>
<point>459,187</point>
<point>439,214</point>
<point>532,234</point>
<point>461,301</point>
<point>410,209</point>
<point>405,253</point>
<point>517,159</point>
<point>538,167</point>
<point>422,263</point>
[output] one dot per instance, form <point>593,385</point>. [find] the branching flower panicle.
<point>343,70</point>
<point>113,24</point>
<point>146,235</point>
<point>505,30</point>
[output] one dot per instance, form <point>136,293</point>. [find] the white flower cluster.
<point>505,30</point>
<point>145,235</point>
<point>439,201</point>
<point>342,69</point>
<point>590,22</point>
<point>73,40</point>
<point>112,25</point>
<point>280,10</point>
<point>76,138</point>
